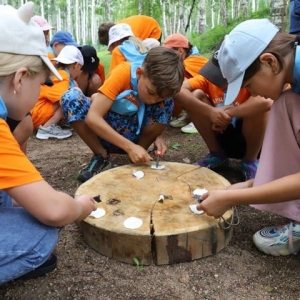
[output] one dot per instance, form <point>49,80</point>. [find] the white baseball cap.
<point>69,55</point>
<point>240,49</point>
<point>118,32</point>
<point>19,34</point>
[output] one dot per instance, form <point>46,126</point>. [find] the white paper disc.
<point>138,174</point>
<point>195,210</point>
<point>160,167</point>
<point>98,213</point>
<point>200,192</point>
<point>133,223</point>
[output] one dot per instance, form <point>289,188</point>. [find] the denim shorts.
<point>75,107</point>
<point>25,243</point>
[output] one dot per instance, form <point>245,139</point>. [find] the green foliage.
<point>105,58</point>
<point>175,145</point>
<point>137,263</point>
<point>209,40</point>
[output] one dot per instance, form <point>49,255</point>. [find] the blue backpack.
<point>131,53</point>
<point>128,102</point>
<point>3,110</point>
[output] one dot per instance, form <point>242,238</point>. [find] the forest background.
<point>204,22</point>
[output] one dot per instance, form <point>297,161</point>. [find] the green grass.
<point>105,57</point>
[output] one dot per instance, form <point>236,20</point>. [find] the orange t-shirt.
<point>193,64</point>
<point>143,26</point>
<point>216,94</point>
<point>100,71</point>
<point>117,81</point>
<point>43,109</point>
<point>15,167</point>
<point>117,57</point>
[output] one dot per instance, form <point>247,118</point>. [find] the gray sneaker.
<point>53,131</point>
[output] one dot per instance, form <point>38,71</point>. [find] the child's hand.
<point>86,205</point>
<point>160,146</point>
<point>215,203</point>
<point>219,117</point>
<point>138,154</point>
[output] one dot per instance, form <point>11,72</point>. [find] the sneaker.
<point>97,164</point>
<point>281,240</point>
<point>249,169</point>
<point>53,131</point>
<point>189,128</point>
<point>213,160</point>
<point>182,120</point>
<point>48,266</point>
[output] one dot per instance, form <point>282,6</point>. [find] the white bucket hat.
<point>19,34</point>
<point>118,32</point>
<point>69,55</point>
<point>239,50</point>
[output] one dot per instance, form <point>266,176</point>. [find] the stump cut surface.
<point>170,232</point>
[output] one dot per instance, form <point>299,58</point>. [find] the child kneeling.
<point>130,111</point>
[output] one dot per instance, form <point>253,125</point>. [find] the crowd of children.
<point>235,100</point>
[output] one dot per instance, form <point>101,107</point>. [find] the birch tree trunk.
<point>58,20</point>
<point>181,25</point>
<point>42,9</point>
<point>93,23</point>
<point>279,12</point>
<point>108,10</point>
<point>253,5</point>
<point>223,12</point>
<point>140,7</point>
<point>163,11</point>
<point>69,28</point>
<point>77,20</point>
<point>202,16</point>
<point>244,8</point>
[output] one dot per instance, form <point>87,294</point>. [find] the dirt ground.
<point>239,271</point>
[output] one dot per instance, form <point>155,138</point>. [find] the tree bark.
<point>279,13</point>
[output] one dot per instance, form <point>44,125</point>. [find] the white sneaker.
<point>280,240</point>
<point>53,131</point>
<point>180,121</point>
<point>189,128</point>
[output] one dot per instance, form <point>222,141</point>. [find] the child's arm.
<point>101,104</point>
<point>161,147</point>
<point>252,106</point>
<point>49,206</point>
<point>197,104</point>
<point>216,203</point>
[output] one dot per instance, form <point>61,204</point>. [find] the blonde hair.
<point>138,44</point>
<point>10,63</point>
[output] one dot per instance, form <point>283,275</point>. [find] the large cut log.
<point>170,232</point>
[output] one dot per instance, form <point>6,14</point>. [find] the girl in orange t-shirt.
<point>47,111</point>
<point>29,231</point>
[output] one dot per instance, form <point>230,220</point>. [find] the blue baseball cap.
<point>64,37</point>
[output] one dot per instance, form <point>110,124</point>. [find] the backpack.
<point>128,102</point>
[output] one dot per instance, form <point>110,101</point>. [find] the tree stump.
<point>170,232</point>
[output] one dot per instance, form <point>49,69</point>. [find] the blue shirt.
<point>3,110</point>
<point>294,16</point>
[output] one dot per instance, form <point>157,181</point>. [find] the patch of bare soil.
<point>239,271</point>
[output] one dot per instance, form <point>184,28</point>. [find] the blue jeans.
<point>25,243</point>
